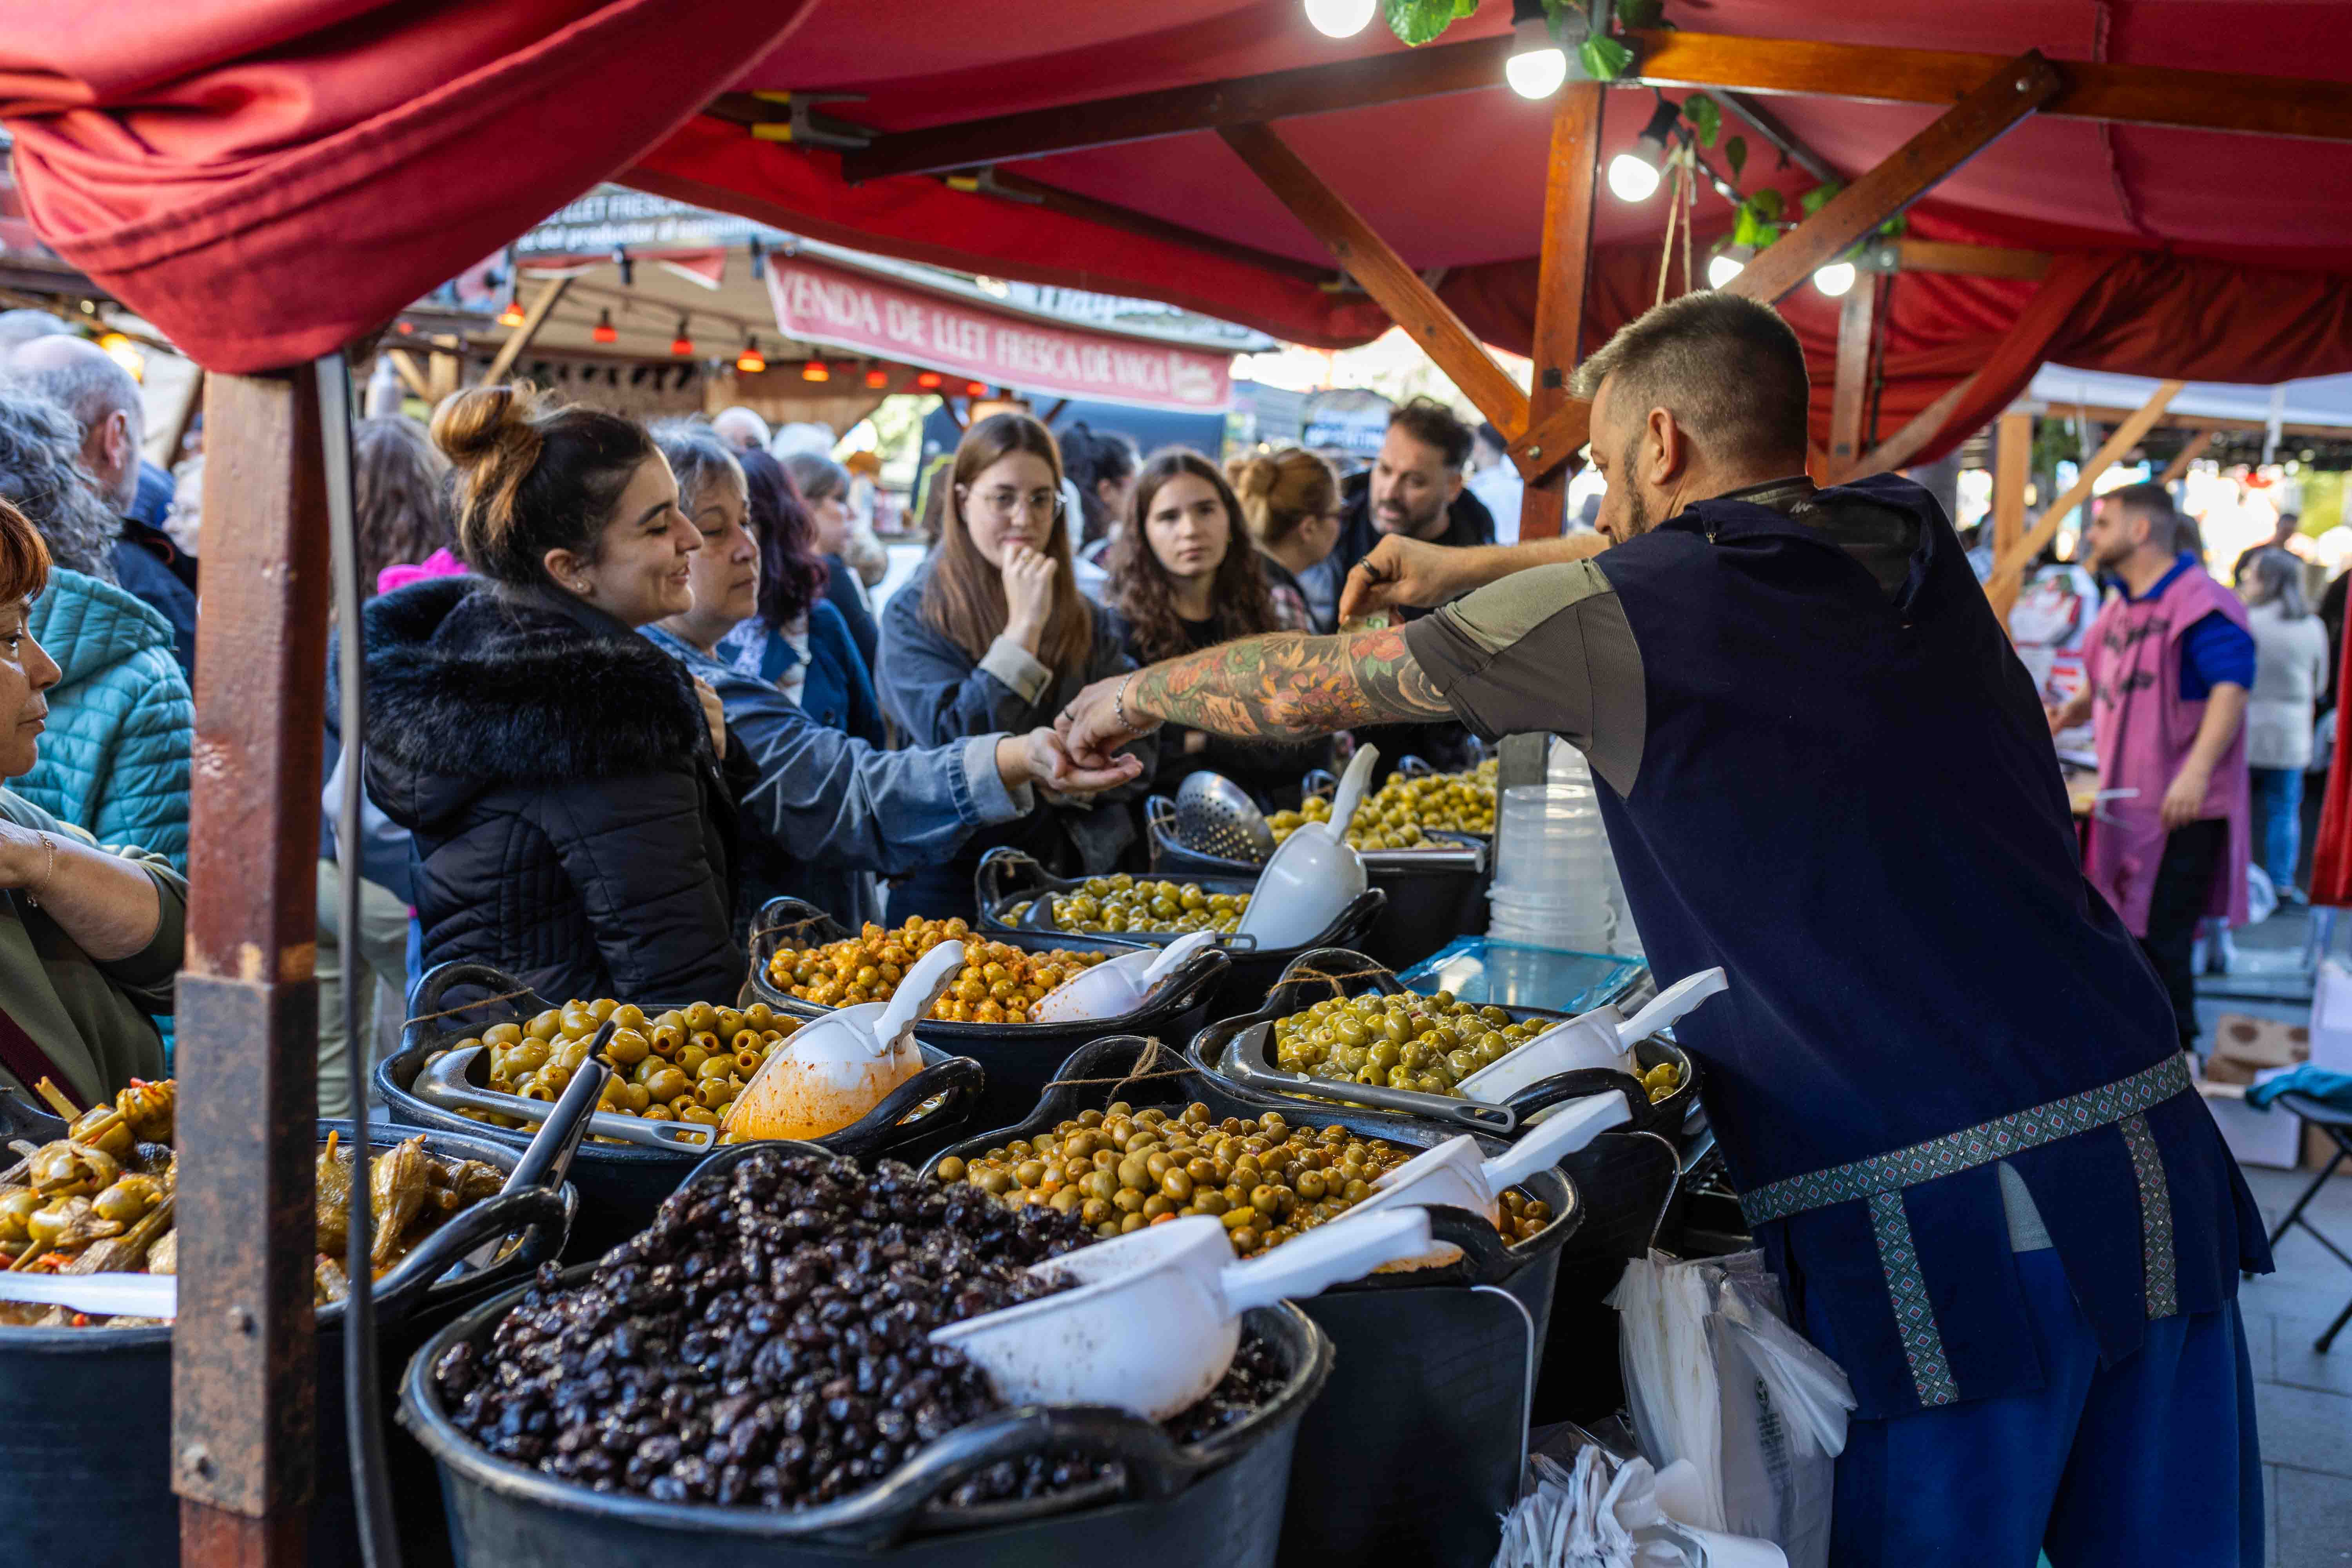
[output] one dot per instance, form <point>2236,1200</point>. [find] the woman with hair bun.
<point>561,775</point>
<point>1290,499</point>
<point>1185,577</point>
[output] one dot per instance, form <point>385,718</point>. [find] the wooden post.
<point>242,1367</point>
<point>1970,126</point>
<point>1568,178</point>
<point>405,364</point>
<point>2008,571</point>
<point>1384,275</point>
<point>2012,461</point>
<point>519,339</point>
<point>1849,403</point>
<point>2194,448</point>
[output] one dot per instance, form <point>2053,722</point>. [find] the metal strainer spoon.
<point>1216,817</point>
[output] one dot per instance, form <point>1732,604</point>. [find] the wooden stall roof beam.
<point>1964,260</point>
<point>2128,94</point>
<point>1988,113</point>
<point>2008,571</point>
<point>2196,446</point>
<point>410,374</point>
<point>1570,175</point>
<point>1384,274</point>
<point>1898,449</point>
<point>1850,398</point>
<point>519,339</point>
<point>1128,221</point>
<point>2012,463</point>
<point>243,1364</point>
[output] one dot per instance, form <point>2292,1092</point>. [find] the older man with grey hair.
<point>21,327</point>
<point>105,402</point>
<point>740,429</point>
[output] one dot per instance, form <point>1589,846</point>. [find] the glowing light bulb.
<point>1727,265</point>
<point>1631,178</point>
<point>1535,69</point>
<point>1835,279</point>
<point>1340,18</point>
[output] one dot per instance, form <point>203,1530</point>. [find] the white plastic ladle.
<point>1315,873</point>
<point>1453,1173</point>
<point>1155,1315</point>
<point>1594,1040</point>
<point>849,1058</point>
<point>1116,986</point>
<point>118,1295</point>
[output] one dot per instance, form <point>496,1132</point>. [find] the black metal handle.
<point>991,884</point>
<point>1156,1468</point>
<point>1323,967</point>
<point>960,1078</point>
<point>1486,1258</point>
<point>543,1214</point>
<point>776,916</point>
<point>429,996</point>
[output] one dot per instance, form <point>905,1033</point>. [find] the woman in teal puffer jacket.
<point>115,758</point>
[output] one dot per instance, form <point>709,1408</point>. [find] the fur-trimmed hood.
<point>470,687</point>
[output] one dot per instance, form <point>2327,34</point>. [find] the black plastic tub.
<point>1219,1501</point>
<point>621,1185</point>
<point>1430,897</point>
<point>1414,1453</point>
<point>1222,1048</point>
<point>1008,877</point>
<point>86,1414</point>
<point>1020,1059</point>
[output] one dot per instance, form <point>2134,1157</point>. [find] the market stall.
<point>198,231</point>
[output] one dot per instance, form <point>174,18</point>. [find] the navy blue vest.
<point>1852,805</point>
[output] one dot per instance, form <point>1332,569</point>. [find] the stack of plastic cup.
<point>1552,869</point>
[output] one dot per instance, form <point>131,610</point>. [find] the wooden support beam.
<point>2008,571</point>
<point>1570,175</point>
<point>1384,274</point>
<point>2196,446</point>
<point>2125,94</point>
<point>1908,255</point>
<point>1897,450</point>
<point>1127,220</point>
<point>1850,400</point>
<point>1988,113</point>
<point>533,319</point>
<point>411,375</point>
<point>2012,465</point>
<point>243,1364</point>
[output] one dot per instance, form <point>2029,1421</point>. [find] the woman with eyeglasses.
<point>992,635</point>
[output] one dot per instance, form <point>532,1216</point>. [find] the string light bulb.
<point>750,361</point>
<point>682,345</point>
<point>930,381</point>
<point>1835,279</point>
<point>1340,18</point>
<point>1728,264</point>
<point>1633,174</point>
<point>877,378</point>
<point>975,389</point>
<point>815,370</point>
<point>512,315</point>
<point>603,332</point>
<point>1537,64</point>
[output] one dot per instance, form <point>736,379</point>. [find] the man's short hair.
<point>1432,423</point>
<point>1728,369</point>
<point>84,378</point>
<point>2153,503</point>
<point>23,326</point>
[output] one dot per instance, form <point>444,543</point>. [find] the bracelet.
<point>47,871</point>
<point>1118,703</point>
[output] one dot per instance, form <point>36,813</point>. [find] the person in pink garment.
<point>2170,663</point>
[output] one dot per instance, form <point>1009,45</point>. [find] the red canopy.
<point>264,181</point>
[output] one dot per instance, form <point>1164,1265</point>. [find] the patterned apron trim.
<point>1979,1145</point>
<point>2157,1264</point>
<point>1914,1315</point>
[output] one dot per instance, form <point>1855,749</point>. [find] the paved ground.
<point>2305,1399</point>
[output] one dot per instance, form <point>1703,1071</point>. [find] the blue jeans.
<point>2152,1461</point>
<point>2278,821</point>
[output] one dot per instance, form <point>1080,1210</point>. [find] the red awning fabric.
<point>266,180</point>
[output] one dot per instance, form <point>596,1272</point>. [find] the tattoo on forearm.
<point>1291,684</point>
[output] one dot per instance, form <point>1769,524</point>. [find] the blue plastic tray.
<point>1479,971</point>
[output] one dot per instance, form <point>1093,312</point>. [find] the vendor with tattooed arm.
<point>2002,1209</point>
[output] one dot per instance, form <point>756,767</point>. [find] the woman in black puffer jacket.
<point>561,775</point>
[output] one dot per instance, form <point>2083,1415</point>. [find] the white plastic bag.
<point>1612,1513</point>
<point>1716,1377</point>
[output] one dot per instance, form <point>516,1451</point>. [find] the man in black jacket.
<point>1414,489</point>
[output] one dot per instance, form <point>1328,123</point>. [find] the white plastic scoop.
<point>1116,986</point>
<point>835,1070</point>
<point>1156,1314</point>
<point>1453,1173</point>
<point>1316,873</point>
<point>1594,1040</point>
<point>117,1294</point>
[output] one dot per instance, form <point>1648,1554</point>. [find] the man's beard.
<point>1395,518</point>
<point>1638,521</point>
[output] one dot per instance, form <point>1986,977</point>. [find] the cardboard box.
<point>2271,1138</point>
<point>2257,1043</point>
<point>2318,1148</point>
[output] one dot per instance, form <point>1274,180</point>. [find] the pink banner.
<point>831,305</point>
